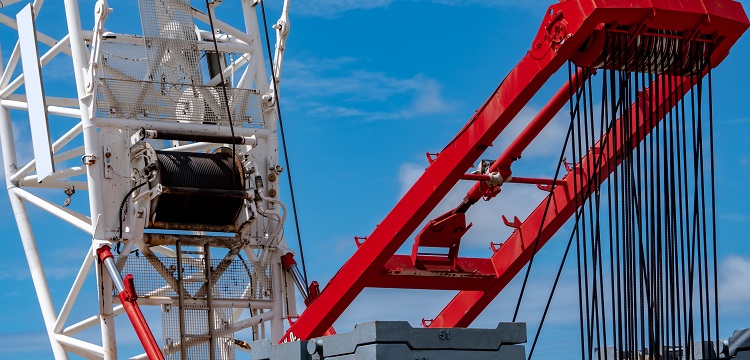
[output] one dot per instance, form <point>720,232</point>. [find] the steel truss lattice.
<point>157,82</point>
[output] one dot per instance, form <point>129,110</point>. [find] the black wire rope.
<point>283,142</point>
<point>544,215</point>
<point>122,206</point>
<point>713,201</point>
<point>223,90</point>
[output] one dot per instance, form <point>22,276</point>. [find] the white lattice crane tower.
<point>180,171</point>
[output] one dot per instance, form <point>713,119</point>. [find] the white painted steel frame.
<point>21,178</point>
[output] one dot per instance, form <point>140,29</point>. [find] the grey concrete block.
<point>705,350</point>
<point>419,338</point>
<point>739,341</point>
<point>403,352</point>
<point>394,340</point>
<point>265,350</point>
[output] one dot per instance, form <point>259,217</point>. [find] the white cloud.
<point>336,88</point>
<point>734,285</point>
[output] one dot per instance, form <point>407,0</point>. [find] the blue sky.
<point>368,87</point>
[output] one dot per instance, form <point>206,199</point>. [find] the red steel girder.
<point>566,27</point>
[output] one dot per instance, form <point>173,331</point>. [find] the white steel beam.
<point>35,92</point>
<point>89,322</point>
<point>78,220</point>
<point>205,129</point>
<point>92,148</point>
<point>80,347</point>
<point>54,110</point>
<point>55,184</point>
<point>59,174</point>
<point>74,291</point>
<point>37,272</point>
<point>44,60</point>
<point>15,55</point>
<point>43,38</point>
<point>24,228</point>
<point>233,67</point>
<point>106,313</point>
<point>57,145</point>
<point>218,24</point>
<point>51,100</point>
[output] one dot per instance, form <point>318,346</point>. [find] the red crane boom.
<point>571,30</point>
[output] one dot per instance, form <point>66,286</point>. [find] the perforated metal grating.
<point>242,279</point>
<point>163,80</point>
<point>123,61</point>
<point>171,41</point>
<point>123,93</point>
<point>196,333</point>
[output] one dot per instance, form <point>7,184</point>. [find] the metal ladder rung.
<point>201,280</point>
<point>201,277</point>
<point>192,252</point>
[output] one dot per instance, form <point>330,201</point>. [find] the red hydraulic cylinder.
<point>515,180</point>
<point>128,299</point>
<point>290,265</point>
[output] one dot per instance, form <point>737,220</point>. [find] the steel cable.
<point>283,142</point>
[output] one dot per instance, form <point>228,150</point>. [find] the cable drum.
<point>199,189</point>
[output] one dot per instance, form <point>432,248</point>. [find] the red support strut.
<point>128,299</point>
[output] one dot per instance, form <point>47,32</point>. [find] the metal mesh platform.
<point>171,41</point>
<point>242,279</point>
<point>163,80</point>
<point>196,333</point>
<point>123,61</point>
<point>150,100</point>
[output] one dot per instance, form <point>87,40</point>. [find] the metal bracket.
<point>495,247</point>
<point>430,157</point>
<point>515,224</point>
<point>358,238</point>
<point>543,187</point>
<point>88,159</point>
<point>69,193</point>
<point>484,166</point>
<point>108,169</point>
